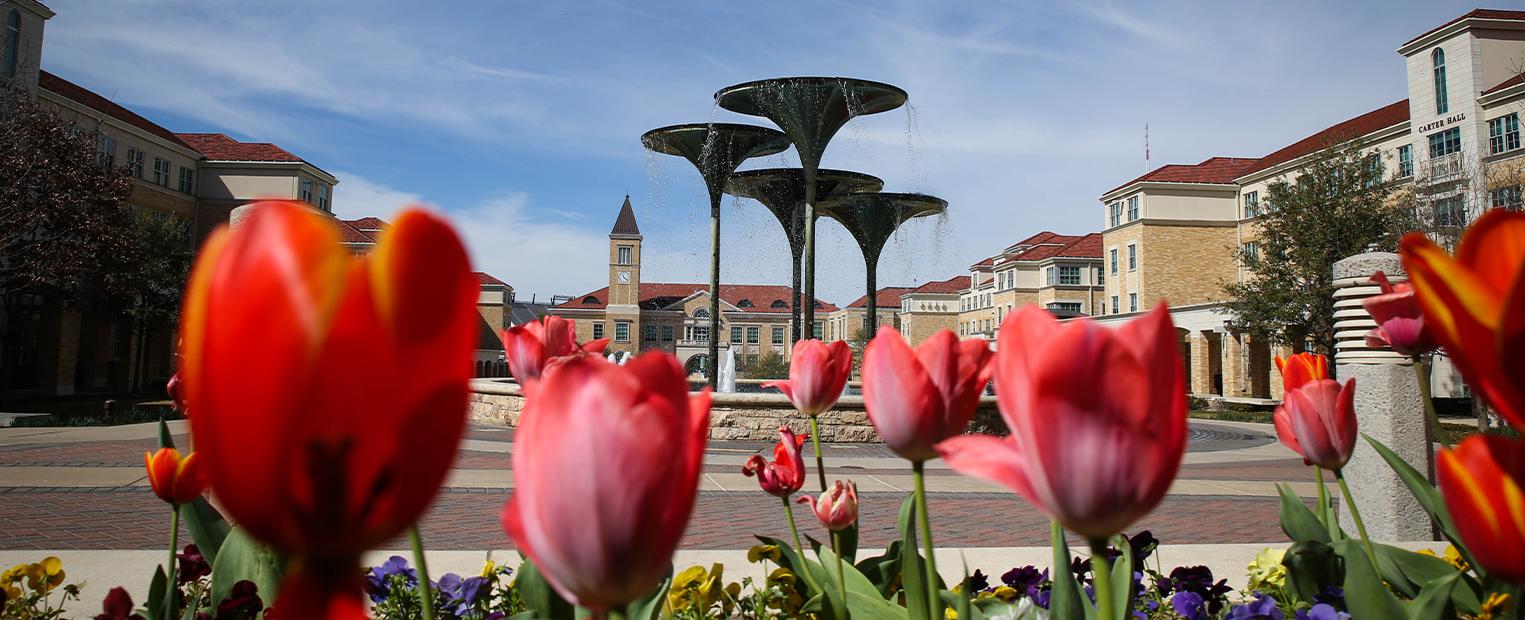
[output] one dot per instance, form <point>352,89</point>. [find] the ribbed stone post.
<point>237,215</point>
<point>1388,407</point>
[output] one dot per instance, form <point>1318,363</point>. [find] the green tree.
<point>1338,205</point>
<point>769,365</point>
<point>63,226</point>
<point>153,281</point>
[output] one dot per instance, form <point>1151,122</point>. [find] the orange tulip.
<point>1483,481</point>
<point>1475,304</point>
<point>329,391</point>
<point>175,479</point>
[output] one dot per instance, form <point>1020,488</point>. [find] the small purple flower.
<point>192,565</point>
<point>977,582</point>
<point>1264,607</point>
<point>1322,611</point>
<point>1024,578</point>
<point>460,595</point>
<point>1040,597</point>
<point>376,581</point>
<point>1189,605</point>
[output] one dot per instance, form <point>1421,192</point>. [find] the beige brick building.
<point>1060,272</point>
<point>930,308</point>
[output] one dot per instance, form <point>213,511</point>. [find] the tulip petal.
<point>989,458</point>
<point>902,401</point>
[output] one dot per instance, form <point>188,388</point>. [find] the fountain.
<point>716,149</point>
<point>810,110</point>
<point>871,218</point>
<point>726,382</point>
<point>782,191</point>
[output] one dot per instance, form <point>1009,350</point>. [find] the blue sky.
<point>522,119</point>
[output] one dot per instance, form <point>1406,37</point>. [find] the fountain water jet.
<point>810,110</point>
<point>716,149</point>
<point>871,218</point>
<point>782,191</point>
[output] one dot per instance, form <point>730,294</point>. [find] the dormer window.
<point>778,303</point>
<point>745,303</point>
<point>590,300</point>
<point>1438,60</point>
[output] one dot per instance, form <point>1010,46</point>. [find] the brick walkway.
<point>130,517</point>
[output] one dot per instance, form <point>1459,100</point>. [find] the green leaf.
<point>1065,602</point>
<point>1122,576</point>
<point>1297,521</point>
<point>1434,598</point>
<point>241,558</point>
<point>1311,566</point>
<point>1409,573</point>
<point>1428,496</point>
<point>913,575</point>
<point>1365,595</point>
<point>208,527</point>
<point>153,607</point>
<point>165,440</point>
<point>961,605</point>
<point>537,594</point>
<point>650,606</point>
<point>863,600</point>
<point>883,569</point>
<point>832,607</point>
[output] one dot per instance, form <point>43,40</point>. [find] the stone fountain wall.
<point>736,417</point>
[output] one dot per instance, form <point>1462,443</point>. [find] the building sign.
<point>1445,122</point>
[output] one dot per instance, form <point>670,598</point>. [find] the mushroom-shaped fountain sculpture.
<point>716,149</point>
<point>782,191</point>
<point>810,110</point>
<point>871,218</point>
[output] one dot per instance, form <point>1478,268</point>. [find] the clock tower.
<point>623,317</point>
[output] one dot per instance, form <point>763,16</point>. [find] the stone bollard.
<point>1388,407</point>
<point>237,215</point>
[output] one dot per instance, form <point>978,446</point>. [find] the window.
<point>778,303</point>
<point>323,192</point>
<point>1132,208</point>
<point>1069,274</point>
<point>1445,142</point>
<point>1450,212</point>
<point>12,44</point>
<point>1438,60</point>
<point>590,300</point>
<point>648,332</point>
<point>1115,213</point>
<point>187,180</point>
<point>1505,198</point>
<point>1374,170</point>
<point>1113,254</point>
<point>1251,204</point>
<point>105,151</point>
<point>135,163</point>
<point>778,335</point>
<point>1114,304</point>
<point>1405,161</point>
<point>304,190</point>
<point>624,255</point>
<point>745,303</point>
<point>1072,307</point>
<point>736,334</point>
<point>1251,251</point>
<point>161,172</point>
<point>701,313</point>
<point>816,329</point>
<point>598,330</point>
<point>667,333</point>
<point>1132,257</point>
<point>754,334</point>
<point>1504,133</point>
<point>698,333</point>
<point>1133,302</point>
<point>1051,276</point>
<point>622,331</point>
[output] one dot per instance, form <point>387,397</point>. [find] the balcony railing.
<point>1445,167</point>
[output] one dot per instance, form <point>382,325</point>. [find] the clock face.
<point>624,277</point>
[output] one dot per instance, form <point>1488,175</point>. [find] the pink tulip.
<point>606,468</point>
<point>1400,324</point>
<point>1317,416</point>
<point>916,399</point>
<point>837,508</point>
<point>817,374</point>
<point>1097,418</point>
<point>786,474</point>
<point>532,346</point>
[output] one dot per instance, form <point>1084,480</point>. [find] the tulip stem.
<point>1355,515</point>
<point>820,463</point>
<point>615,613</point>
<point>836,541</point>
<point>918,474</point>
<point>1101,579</point>
<point>1422,376</point>
<point>425,591</point>
<point>789,512</point>
<point>1324,513</point>
<point>174,541</point>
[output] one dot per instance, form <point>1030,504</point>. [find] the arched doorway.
<point>695,364</point>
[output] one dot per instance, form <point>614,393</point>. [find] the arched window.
<point>590,300</point>
<point>1438,58</point>
<point>481,368</point>
<point>745,303</point>
<point>778,303</point>
<point>701,313</point>
<point>12,44</point>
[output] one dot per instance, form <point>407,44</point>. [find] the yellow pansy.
<point>1266,569</point>
<point>1454,557</point>
<point>45,575</point>
<point>1495,606</point>
<point>488,568</point>
<point>759,553</point>
<point>697,589</point>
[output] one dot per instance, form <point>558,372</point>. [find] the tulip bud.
<point>837,508</point>
<point>817,374</point>
<point>174,479</point>
<point>1400,325</point>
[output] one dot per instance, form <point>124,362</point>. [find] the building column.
<point>1201,364</point>
<point>1233,365</point>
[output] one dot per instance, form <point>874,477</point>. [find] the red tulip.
<point>606,468</point>
<point>1317,415</point>
<point>1483,481</point>
<point>1400,325</point>
<point>174,479</point>
<point>786,474</point>
<point>1097,418</point>
<point>1475,305</point>
<point>837,508</point>
<point>329,391</point>
<point>176,391</point>
<point>817,374</point>
<point>532,346</point>
<point>916,399</point>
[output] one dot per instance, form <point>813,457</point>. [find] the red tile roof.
<point>1477,14</point>
<point>220,147</point>
<point>486,278</point>
<point>1517,79</point>
<point>74,92</point>
<point>361,231</point>
<point>883,298</point>
<point>944,287</point>
<point>1380,118</point>
<point>1214,170</point>
<point>1088,246</point>
<point>658,294</point>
